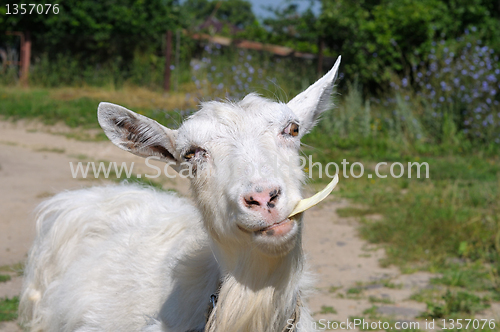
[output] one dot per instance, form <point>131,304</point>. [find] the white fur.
<point>128,258</point>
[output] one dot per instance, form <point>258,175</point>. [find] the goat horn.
<point>308,203</point>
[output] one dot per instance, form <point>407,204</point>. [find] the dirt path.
<point>34,165</point>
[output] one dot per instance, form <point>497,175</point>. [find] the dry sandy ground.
<point>34,165</point>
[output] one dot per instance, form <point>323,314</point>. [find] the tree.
<point>381,37</point>
<point>95,30</point>
<point>237,12</point>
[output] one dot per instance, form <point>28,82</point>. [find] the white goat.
<point>127,258</point>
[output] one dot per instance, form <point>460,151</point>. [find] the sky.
<point>261,13</point>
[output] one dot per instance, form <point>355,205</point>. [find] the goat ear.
<point>309,104</point>
<point>135,133</point>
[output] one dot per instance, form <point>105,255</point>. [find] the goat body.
<point>128,258</point>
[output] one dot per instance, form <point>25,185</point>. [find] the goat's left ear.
<point>138,134</point>
<point>309,104</point>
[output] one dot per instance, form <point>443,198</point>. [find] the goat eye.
<point>196,153</point>
<point>292,129</point>
<point>190,154</point>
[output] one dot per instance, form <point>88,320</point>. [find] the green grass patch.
<point>374,299</point>
<point>372,312</point>
<point>8,308</point>
<point>37,104</point>
<point>455,304</point>
<point>389,284</point>
<point>333,289</point>
<point>355,212</point>
<point>52,150</point>
<point>448,223</point>
<point>355,290</point>
<point>79,113</point>
<point>17,268</point>
<point>5,277</point>
<point>475,277</point>
<point>453,214</point>
<point>327,310</point>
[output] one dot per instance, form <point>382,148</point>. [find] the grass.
<point>428,223</point>
<point>456,304</point>
<point>36,103</point>
<point>327,310</point>
<point>374,299</point>
<point>333,289</point>
<point>355,212</point>
<point>17,268</point>
<point>8,308</point>
<point>4,277</point>
<point>448,223</point>
<point>471,276</point>
<point>79,109</point>
<point>355,290</point>
<point>52,150</point>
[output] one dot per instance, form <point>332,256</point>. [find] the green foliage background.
<point>95,32</point>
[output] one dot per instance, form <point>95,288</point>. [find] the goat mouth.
<point>280,228</point>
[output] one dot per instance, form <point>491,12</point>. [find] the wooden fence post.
<point>25,58</point>
<point>321,45</point>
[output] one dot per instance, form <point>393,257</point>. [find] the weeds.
<point>455,303</point>
<point>355,290</point>
<point>374,299</point>
<point>8,309</point>
<point>4,277</point>
<point>327,310</point>
<point>17,268</point>
<point>355,212</point>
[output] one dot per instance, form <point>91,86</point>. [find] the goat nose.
<point>262,199</point>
